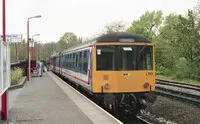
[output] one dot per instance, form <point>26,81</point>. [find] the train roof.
<point>115,37</point>
<point>121,37</point>
<point>111,37</point>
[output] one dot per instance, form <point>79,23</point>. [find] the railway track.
<point>178,84</point>
<point>186,92</point>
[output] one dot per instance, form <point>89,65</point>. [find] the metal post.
<point>4,111</point>
<point>28,49</point>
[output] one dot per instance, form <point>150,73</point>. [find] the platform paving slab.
<point>41,101</point>
<point>93,111</point>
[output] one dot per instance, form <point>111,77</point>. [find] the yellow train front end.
<point>123,75</point>
<point>123,68</point>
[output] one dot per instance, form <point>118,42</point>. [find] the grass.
<point>16,76</point>
<point>182,80</point>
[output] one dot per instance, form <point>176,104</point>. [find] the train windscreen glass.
<point>124,58</point>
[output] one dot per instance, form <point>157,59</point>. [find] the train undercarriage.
<point>125,103</point>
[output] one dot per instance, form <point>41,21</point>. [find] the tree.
<point>80,40</point>
<point>67,40</point>
<point>12,53</point>
<point>116,26</point>
<point>148,24</point>
<point>178,45</point>
<point>166,49</point>
<point>47,49</point>
<point>22,50</point>
<point>188,36</point>
<point>188,41</point>
<point>196,11</point>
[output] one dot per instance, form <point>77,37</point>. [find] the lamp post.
<point>28,49</point>
<point>4,107</point>
<point>33,48</point>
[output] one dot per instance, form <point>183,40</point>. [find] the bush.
<point>161,70</point>
<point>16,75</point>
<point>182,69</point>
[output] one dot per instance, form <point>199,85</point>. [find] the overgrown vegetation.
<point>16,76</point>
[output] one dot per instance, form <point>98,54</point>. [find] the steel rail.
<point>178,84</point>
<point>182,96</point>
<point>179,97</point>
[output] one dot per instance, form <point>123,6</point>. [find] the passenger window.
<point>67,60</point>
<point>85,62</point>
<point>80,61</point>
<point>85,54</point>
<point>70,62</point>
<point>76,60</point>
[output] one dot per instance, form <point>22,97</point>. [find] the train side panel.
<point>76,66</point>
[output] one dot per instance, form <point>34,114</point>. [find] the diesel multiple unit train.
<point>118,69</point>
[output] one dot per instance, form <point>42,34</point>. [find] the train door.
<point>90,67</point>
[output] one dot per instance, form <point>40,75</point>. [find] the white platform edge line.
<point>85,97</point>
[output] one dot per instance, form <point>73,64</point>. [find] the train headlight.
<point>106,86</point>
<point>146,85</point>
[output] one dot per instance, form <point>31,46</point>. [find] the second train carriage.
<point>118,69</point>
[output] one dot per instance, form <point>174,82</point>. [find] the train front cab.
<point>123,70</point>
<point>127,67</point>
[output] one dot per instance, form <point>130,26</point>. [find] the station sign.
<point>13,38</point>
<point>31,44</point>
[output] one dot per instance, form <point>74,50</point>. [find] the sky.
<point>85,18</point>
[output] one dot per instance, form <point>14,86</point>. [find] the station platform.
<point>49,100</point>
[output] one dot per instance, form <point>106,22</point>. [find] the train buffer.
<point>49,100</point>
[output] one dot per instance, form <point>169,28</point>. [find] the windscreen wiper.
<point>142,48</point>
